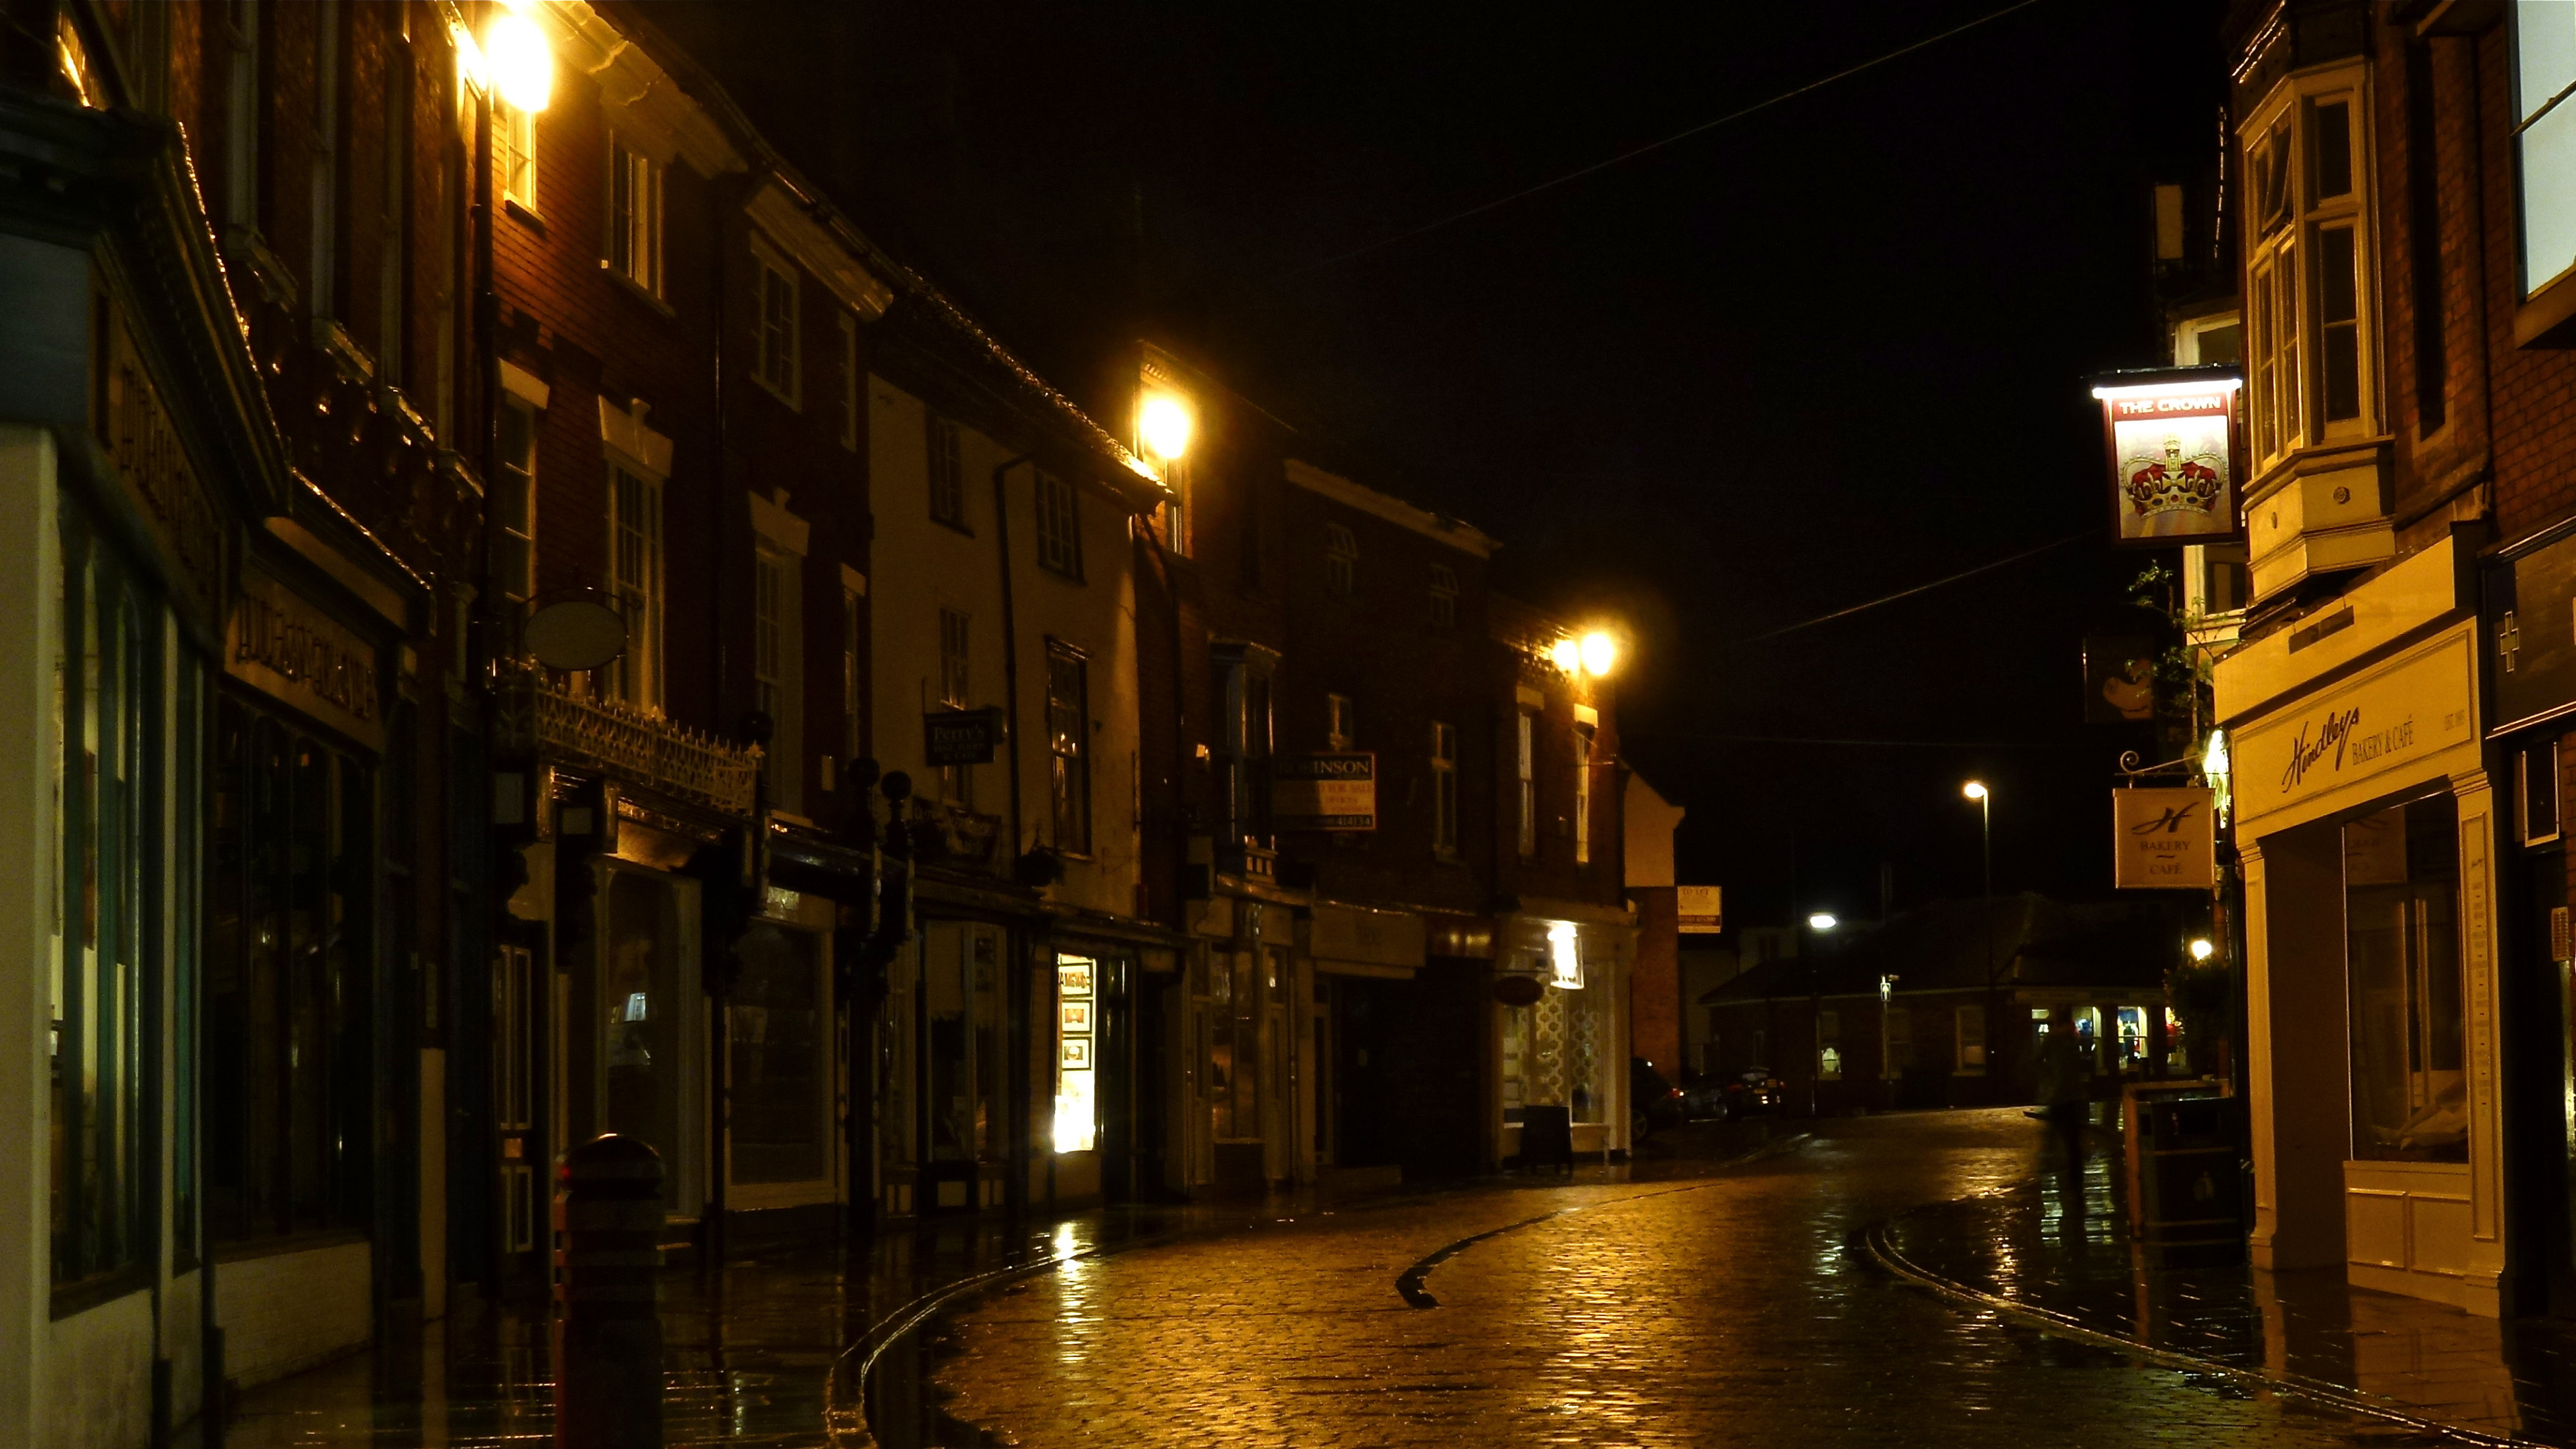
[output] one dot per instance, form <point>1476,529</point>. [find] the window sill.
<point>1069,576</point>
<point>72,1299</point>
<point>2547,319</point>
<point>775,391</point>
<point>524,214</point>
<point>639,292</point>
<point>953,526</point>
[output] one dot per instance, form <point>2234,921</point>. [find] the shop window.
<point>111,801</point>
<point>1444,789</point>
<point>1970,1023</point>
<point>1234,1055</point>
<point>962,1002</point>
<point>2402,942</point>
<point>946,473</point>
<point>2177,1057</point>
<point>2536,772</point>
<point>288,971</point>
<point>1077,1102</point>
<point>635,582</point>
<point>780,1107</point>
<point>2133,1037</point>
<point>1587,1098</point>
<point>647,987</point>
<point>1059,527</point>
<point>2544,140</point>
<point>1069,746</point>
<point>1829,1045</point>
<point>635,216</point>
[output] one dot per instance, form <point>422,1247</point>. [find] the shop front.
<point>1566,1049</point>
<point>783,1074</point>
<point>2369,831</point>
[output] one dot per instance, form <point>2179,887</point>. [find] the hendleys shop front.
<point>2366,823</point>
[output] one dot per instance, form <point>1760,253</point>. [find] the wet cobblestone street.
<point>1684,1306</point>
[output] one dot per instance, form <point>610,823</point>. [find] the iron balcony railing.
<point>636,746</point>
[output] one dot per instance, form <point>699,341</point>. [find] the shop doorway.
<point>520,1213</point>
<point>963,1061</point>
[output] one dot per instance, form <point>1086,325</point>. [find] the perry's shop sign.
<point>2164,839</point>
<point>1325,792</point>
<point>959,736</point>
<point>285,646</point>
<point>2398,714</point>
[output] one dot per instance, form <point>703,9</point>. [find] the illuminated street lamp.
<point>1566,655</point>
<point>1822,921</point>
<point>1164,423</point>
<point>521,64</point>
<point>2201,950</point>
<point>1976,790</point>
<point>1600,653</point>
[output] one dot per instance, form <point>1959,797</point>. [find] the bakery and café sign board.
<point>288,648</point>
<point>2402,713</point>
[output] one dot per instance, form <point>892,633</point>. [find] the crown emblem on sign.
<point>2172,483</point>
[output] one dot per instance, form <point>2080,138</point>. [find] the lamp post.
<point>1976,790</point>
<point>1817,925</point>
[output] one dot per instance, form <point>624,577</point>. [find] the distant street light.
<point>2201,950</point>
<point>1976,790</point>
<point>522,64</point>
<point>1822,921</point>
<point>1566,655</point>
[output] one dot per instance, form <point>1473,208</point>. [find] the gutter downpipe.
<point>1015,1191</point>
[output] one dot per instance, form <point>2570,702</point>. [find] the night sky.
<point>1784,366</point>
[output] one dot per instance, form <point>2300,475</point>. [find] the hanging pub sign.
<point>1335,791</point>
<point>958,737</point>
<point>2119,679</point>
<point>2171,440</point>
<point>2165,839</point>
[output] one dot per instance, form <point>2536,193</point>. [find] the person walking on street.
<point>2063,1083</point>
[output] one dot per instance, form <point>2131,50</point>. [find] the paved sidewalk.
<point>2048,1251</point>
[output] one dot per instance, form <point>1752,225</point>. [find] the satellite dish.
<point>575,634</point>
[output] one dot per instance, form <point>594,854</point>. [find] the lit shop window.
<point>1077,1103</point>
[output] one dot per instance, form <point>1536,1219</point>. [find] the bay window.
<point>2310,343</point>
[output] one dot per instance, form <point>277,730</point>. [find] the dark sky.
<point>1785,366</point>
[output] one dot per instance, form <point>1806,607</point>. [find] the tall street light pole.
<point>1817,925</point>
<point>1976,790</point>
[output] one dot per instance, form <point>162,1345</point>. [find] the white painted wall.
<point>287,1312</point>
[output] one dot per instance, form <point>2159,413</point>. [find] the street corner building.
<point>2396,697</point>
<point>530,624</point>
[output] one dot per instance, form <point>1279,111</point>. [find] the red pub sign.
<point>2171,441</point>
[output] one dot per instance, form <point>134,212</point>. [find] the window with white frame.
<point>2311,335</point>
<point>635,582</point>
<point>514,501</point>
<point>1582,794</point>
<point>1341,722</point>
<point>514,153</point>
<point>849,381</point>
<point>2544,139</point>
<point>1341,559</point>
<point>947,471</point>
<point>774,324</point>
<point>1526,742</point>
<point>1444,788</point>
<point>1176,509</point>
<point>1444,596</point>
<point>1059,527</point>
<point>635,216</point>
<point>776,652</point>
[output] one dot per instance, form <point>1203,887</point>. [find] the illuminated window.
<point>635,216</point>
<point>2407,1003</point>
<point>635,582</point>
<point>1341,559</point>
<point>514,146</point>
<point>2311,335</point>
<point>1829,1045</point>
<point>957,781</point>
<point>1582,795</point>
<point>1077,1101</point>
<point>1528,757</point>
<point>1069,746</point>
<point>514,502</point>
<point>1059,527</point>
<point>1971,1025</point>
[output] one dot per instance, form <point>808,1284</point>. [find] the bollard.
<point>608,1330</point>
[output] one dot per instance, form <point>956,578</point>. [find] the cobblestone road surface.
<point>1720,1309</point>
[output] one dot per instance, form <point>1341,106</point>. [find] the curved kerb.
<point>1881,1248</point>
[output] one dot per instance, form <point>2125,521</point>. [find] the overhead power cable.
<point>1652,146</point>
<point>2081,533</point>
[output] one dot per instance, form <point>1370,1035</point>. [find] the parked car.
<point>1754,1093</point>
<point>1653,1101</point>
<point>1704,1096</point>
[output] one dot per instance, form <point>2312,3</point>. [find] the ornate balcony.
<point>635,746</point>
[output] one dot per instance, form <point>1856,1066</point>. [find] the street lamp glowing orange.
<point>1600,653</point>
<point>522,64</point>
<point>1974,790</point>
<point>1164,423</point>
<point>1566,655</point>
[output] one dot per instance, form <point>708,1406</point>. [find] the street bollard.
<point>608,1331</point>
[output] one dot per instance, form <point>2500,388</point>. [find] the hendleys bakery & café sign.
<point>2403,712</point>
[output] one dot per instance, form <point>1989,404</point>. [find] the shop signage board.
<point>1702,909</point>
<point>285,646</point>
<point>2171,441</point>
<point>959,737</point>
<point>1334,791</point>
<point>2119,679</point>
<point>2164,839</point>
<point>2397,716</point>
